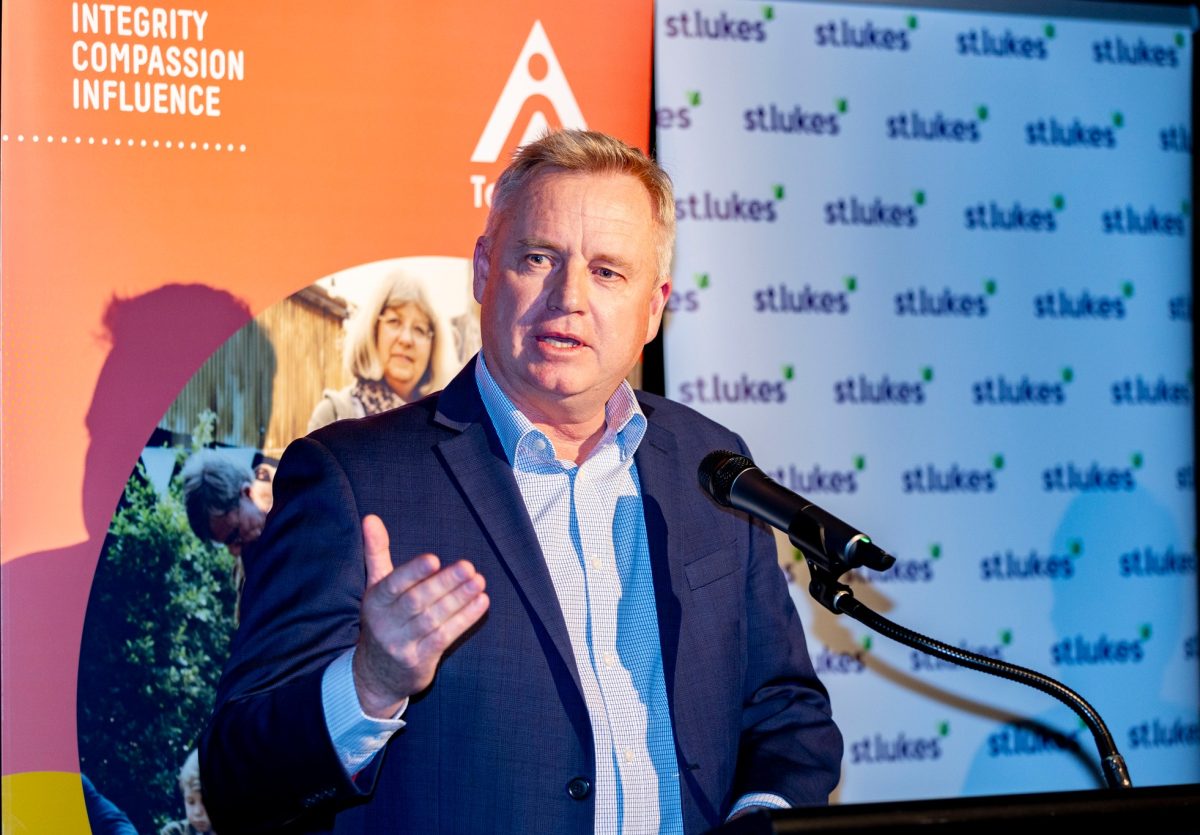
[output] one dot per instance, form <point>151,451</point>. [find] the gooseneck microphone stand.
<point>813,532</point>
<point>839,599</point>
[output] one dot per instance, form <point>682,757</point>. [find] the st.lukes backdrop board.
<point>935,265</point>
<point>169,172</point>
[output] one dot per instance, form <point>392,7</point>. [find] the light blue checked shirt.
<point>590,524</point>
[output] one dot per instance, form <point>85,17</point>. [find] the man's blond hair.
<point>589,152</point>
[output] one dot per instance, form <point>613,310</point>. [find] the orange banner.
<point>169,172</point>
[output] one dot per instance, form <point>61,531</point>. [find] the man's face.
<point>239,526</point>
<point>569,291</point>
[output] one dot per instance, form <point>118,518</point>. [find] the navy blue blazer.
<point>493,744</point>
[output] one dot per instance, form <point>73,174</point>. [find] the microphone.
<point>734,481</point>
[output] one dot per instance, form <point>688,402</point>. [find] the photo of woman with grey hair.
<point>396,348</point>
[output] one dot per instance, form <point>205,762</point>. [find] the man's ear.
<point>479,265</point>
<point>658,303</point>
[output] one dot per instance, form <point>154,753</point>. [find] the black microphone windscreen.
<point>718,471</point>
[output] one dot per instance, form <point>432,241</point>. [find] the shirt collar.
<point>625,424</point>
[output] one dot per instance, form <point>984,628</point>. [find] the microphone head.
<point>718,471</point>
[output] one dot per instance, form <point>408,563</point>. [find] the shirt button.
<point>539,444</point>
<point>578,788</point>
<point>610,658</point>
<point>628,756</point>
<point>597,564</point>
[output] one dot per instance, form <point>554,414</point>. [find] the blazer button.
<point>579,788</point>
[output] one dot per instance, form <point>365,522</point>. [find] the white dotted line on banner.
<point>178,144</point>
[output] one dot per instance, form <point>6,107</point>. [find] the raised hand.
<point>409,616</point>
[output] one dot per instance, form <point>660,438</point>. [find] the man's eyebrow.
<point>538,243</point>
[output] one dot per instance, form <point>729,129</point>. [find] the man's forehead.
<point>554,195</point>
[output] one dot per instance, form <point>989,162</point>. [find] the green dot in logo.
<point>778,189</point>
<point>1118,119</point>
<point>1179,39</point>
<point>989,286</point>
<point>982,112</point>
<point>1068,374</point>
<point>789,371</point>
<point>768,12</point>
<point>702,280</point>
<point>865,642</point>
<point>842,105</point>
<point>1075,547</point>
<point>851,283</point>
<point>1186,207</point>
<point>943,729</point>
<point>1060,202</point>
<point>1048,29</point>
<point>919,197</point>
<point>860,462</point>
<point>1127,289</point>
<point>693,98</point>
<point>935,550</point>
<point>911,20</point>
<point>1145,631</point>
<point>797,555</point>
<point>927,374</point>
<point>1006,636</point>
<point>1137,460</point>
<point>998,461</point>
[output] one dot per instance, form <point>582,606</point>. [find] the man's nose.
<point>569,287</point>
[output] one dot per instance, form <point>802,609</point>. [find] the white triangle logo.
<point>520,86</point>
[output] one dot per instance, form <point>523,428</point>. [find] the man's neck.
<point>573,442</point>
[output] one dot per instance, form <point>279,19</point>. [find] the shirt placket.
<point>597,488</point>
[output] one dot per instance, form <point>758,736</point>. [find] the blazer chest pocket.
<point>712,566</point>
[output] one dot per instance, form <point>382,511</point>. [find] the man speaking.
<point>509,607</point>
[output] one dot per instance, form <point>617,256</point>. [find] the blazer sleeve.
<point>266,757</point>
<point>789,744</point>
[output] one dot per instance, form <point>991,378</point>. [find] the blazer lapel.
<point>658,472</point>
<point>478,464</point>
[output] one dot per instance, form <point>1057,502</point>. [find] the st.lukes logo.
<point>1007,44</point>
<point>1073,133</point>
<point>744,389</point>
<point>851,211</point>
<point>1023,739</point>
<point>1153,221</point>
<point>1015,218</point>
<point>536,72</point>
<point>877,748</point>
<point>1117,50</point>
<point>1083,650</point>
<point>722,27</point>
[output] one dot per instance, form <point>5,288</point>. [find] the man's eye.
<point>537,259</point>
<point>604,272</point>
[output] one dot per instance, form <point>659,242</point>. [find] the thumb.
<point>375,549</point>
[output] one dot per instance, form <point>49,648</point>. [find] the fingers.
<point>419,596</point>
<point>454,626</point>
<point>431,609</point>
<point>408,620</point>
<point>375,549</point>
<point>416,590</point>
